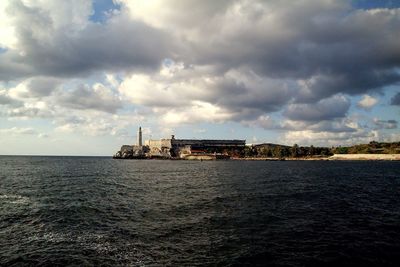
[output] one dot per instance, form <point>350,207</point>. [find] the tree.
<point>311,151</point>
<point>248,151</point>
<point>295,150</point>
<point>277,152</point>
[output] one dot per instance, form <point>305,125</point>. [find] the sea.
<point>96,211</point>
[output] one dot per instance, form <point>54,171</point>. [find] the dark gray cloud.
<point>37,87</point>
<point>84,97</point>
<point>334,48</point>
<point>395,100</point>
<point>5,100</point>
<point>385,124</point>
<point>334,126</point>
<point>326,109</point>
<point>329,45</point>
<point>42,86</point>
<point>265,95</point>
<point>121,44</point>
<point>351,83</point>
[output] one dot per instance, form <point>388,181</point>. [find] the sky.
<point>80,77</point>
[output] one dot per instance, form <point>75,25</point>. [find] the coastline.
<point>335,157</point>
<point>365,157</point>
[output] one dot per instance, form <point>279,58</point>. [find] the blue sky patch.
<point>101,8</point>
<point>371,4</point>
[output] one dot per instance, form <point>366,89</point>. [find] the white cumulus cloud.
<point>367,102</point>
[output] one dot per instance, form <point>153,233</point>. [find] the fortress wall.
<point>166,143</point>
<point>153,143</point>
<point>207,143</point>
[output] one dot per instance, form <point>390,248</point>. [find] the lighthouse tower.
<point>139,137</point>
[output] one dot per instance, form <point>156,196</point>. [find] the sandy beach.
<point>334,157</point>
<point>365,157</point>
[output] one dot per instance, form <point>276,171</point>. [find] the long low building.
<point>207,143</point>
<point>183,147</point>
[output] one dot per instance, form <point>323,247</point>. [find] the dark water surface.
<point>103,212</point>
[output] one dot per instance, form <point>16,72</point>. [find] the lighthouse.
<point>139,137</point>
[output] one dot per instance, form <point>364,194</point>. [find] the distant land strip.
<point>210,149</point>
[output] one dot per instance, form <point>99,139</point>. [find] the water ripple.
<point>97,211</point>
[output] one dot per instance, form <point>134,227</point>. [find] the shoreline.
<point>375,157</point>
<point>335,157</point>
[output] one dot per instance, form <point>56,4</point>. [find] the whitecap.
<point>14,199</point>
<point>97,242</point>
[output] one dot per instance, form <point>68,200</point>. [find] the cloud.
<point>41,97</point>
<point>344,131</point>
<point>257,69</point>
<point>339,125</point>
<point>395,100</point>
<point>35,87</point>
<point>143,90</point>
<point>367,102</point>
<point>263,121</point>
<point>324,138</point>
<point>385,124</point>
<point>197,112</point>
<point>322,85</point>
<point>325,109</point>
<point>60,41</point>
<point>18,131</point>
<point>95,123</point>
<point>97,97</point>
<point>241,93</point>
<point>243,89</point>
<point>5,99</point>
<point>30,109</point>
<point>8,38</point>
<point>43,135</point>
<point>174,13</point>
<point>91,127</point>
<point>317,42</point>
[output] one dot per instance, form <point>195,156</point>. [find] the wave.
<point>14,199</point>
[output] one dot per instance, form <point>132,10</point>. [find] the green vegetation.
<point>371,148</point>
<point>296,151</point>
<point>282,151</point>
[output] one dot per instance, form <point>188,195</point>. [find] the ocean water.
<point>93,211</point>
